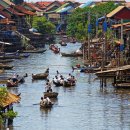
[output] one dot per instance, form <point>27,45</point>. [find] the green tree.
<point>78,20</point>
<point>43,25</point>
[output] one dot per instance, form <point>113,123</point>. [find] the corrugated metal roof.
<point>13,11</point>
<point>2,17</point>
<point>31,5</point>
<point>63,6</point>
<point>43,4</point>
<point>86,4</point>
<point>23,10</point>
<point>1,7</point>
<point>8,2</point>
<point>65,9</point>
<point>5,14</point>
<point>115,11</point>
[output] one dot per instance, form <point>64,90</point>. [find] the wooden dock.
<point>112,72</point>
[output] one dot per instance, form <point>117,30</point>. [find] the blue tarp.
<point>86,4</point>
<point>105,26</point>
<point>121,47</point>
<point>1,16</point>
<point>89,28</point>
<point>58,27</point>
<point>100,19</point>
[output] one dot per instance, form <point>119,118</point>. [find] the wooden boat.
<point>71,54</point>
<point>57,84</point>
<point>34,51</point>
<point>10,54</point>
<point>54,48</point>
<point>3,66</point>
<point>26,55</point>
<point>10,57</point>
<point>40,76</point>
<point>122,85</point>
<point>68,84</point>
<point>46,105</point>
<point>63,44</point>
<point>6,60</point>
<point>11,84</point>
<point>51,94</point>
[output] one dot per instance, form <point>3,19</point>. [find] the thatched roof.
<point>8,99</point>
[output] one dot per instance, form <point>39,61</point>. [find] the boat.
<point>46,105</point>
<point>74,54</point>
<point>26,55</point>
<point>51,94</point>
<point>57,84</point>
<point>63,44</point>
<point>122,85</point>
<point>11,84</point>
<point>3,66</point>
<point>6,60</point>
<point>54,48</point>
<point>68,84</point>
<point>10,57</point>
<point>34,51</point>
<point>40,76</point>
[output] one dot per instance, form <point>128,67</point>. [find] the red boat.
<point>54,48</point>
<point>11,84</point>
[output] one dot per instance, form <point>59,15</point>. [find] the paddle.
<point>36,104</point>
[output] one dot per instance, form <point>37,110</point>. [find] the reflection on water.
<point>85,106</point>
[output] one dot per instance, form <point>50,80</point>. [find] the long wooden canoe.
<point>3,66</point>
<point>51,94</point>
<point>40,76</point>
<point>34,51</point>
<point>71,54</point>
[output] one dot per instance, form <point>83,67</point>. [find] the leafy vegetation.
<point>43,25</point>
<point>78,20</point>
<point>9,114</point>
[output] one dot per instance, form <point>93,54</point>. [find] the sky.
<point>81,1</point>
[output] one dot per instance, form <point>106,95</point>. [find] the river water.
<point>83,107</point>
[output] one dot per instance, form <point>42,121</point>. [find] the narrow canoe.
<point>6,60</point>
<point>9,84</point>
<point>40,76</point>
<point>2,66</point>
<point>46,105</point>
<point>68,84</point>
<point>71,54</point>
<point>51,94</point>
<point>34,51</point>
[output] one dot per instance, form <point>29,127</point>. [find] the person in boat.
<point>48,88</point>
<point>57,72</point>
<point>15,78</point>
<point>43,101</point>
<point>48,101</point>
<point>73,68</point>
<point>62,81</point>
<point>56,79</point>
<point>69,77</point>
<point>47,70</point>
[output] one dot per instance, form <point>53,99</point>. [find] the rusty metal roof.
<point>23,10</point>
